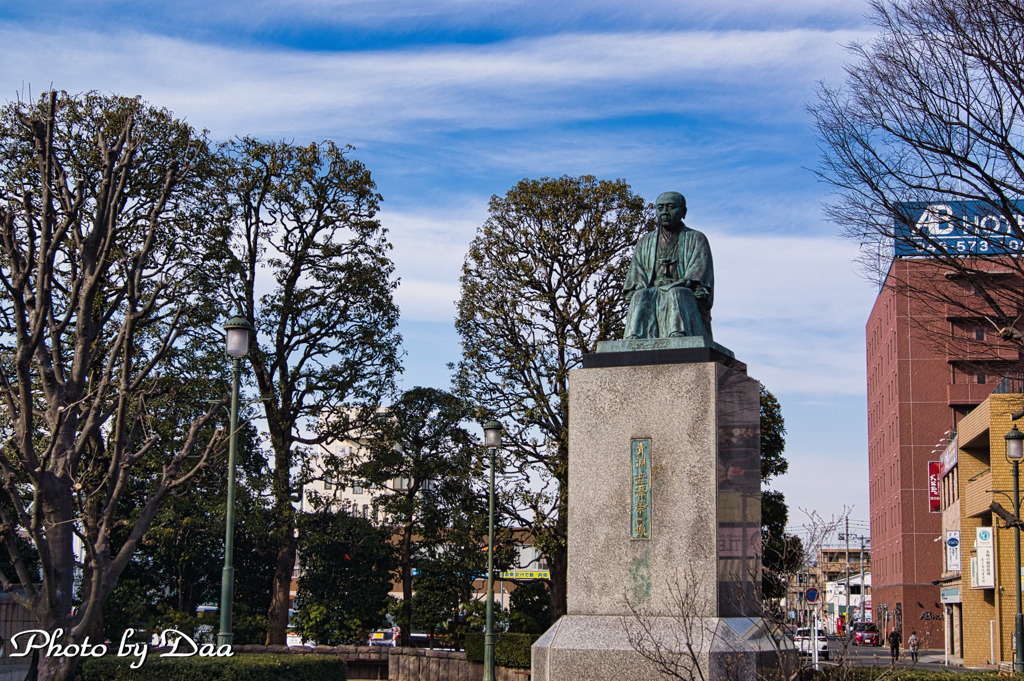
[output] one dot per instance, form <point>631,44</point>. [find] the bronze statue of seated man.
<point>671,280</point>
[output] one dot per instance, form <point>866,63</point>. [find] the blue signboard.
<point>958,227</point>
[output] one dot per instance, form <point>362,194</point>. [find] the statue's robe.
<point>662,304</point>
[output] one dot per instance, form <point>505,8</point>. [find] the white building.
<point>835,600</point>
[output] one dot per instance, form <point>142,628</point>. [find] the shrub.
<point>237,668</point>
<point>873,673</point>
<point>510,650</point>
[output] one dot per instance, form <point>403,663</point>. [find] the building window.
<point>979,333</point>
<point>357,487</point>
<point>981,378</point>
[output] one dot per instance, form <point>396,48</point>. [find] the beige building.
<point>977,584</point>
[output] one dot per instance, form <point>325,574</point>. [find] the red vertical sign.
<point>934,480</point>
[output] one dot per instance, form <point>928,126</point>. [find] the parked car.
<point>383,637</point>
<point>392,638</point>
<point>804,641</point>
<point>866,634</point>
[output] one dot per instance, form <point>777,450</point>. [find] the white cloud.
<point>794,309</point>
<point>456,19</point>
<point>377,94</point>
<point>428,254</point>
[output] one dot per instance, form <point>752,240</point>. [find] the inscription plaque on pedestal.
<point>640,520</point>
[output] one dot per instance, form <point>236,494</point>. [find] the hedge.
<point>248,667</point>
<point>510,650</point>
<point>898,674</point>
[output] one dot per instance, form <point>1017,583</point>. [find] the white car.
<point>804,641</point>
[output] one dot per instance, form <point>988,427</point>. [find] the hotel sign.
<point>957,228</point>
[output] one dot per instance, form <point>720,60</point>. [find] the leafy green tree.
<point>177,566</point>
<point>773,437</point>
<point>530,608</point>
<point>347,567</point>
<point>781,555</point>
<point>303,229</point>
<point>440,592</point>
<point>255,563</point>
<point>423,462</point>
<point>541,285</point>
<point>99,259</point>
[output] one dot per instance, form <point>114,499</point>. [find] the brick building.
<point>928,364</point>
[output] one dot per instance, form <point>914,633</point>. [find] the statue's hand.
<point>679,283</point>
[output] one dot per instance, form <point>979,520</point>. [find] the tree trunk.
<point>559,556</point>
<point>405,620</point>
<point>284,521</point>
<point>284,564</point>
<point>559,563</point>
<point>56,668</point>
<point>280,595</point>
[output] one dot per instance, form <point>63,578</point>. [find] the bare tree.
<point>676,635</point>
<point>678,651</point>
<point>923,144</point>
<point>97,263</point>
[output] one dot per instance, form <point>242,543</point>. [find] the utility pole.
<point>847,537</point>
<point>863,585</point>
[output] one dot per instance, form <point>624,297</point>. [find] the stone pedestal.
<point>690,568</point>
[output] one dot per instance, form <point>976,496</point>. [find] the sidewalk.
<point>13,672</point>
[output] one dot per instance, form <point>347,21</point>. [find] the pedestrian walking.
<point>913,643</point>
<point>894,644</point>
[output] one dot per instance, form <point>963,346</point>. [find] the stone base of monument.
<point>664,521</point>
<point>599,647</point>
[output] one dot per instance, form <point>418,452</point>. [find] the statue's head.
<point>671,209</point>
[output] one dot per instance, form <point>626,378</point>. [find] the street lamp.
<point>492,440</point>
<point>1014,453</point>
<point>237,330</point>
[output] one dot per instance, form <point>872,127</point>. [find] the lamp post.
<point>237,330</point>
<point>492,440</point>
<point>1014,453</point>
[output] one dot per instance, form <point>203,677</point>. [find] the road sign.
<point>526,574</point>
<point>811,595</point>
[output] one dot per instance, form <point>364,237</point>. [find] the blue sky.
<point>450,102</point>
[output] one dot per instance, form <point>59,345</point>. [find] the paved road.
<point>880,657</point>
